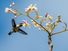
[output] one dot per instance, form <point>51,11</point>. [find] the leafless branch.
<point>59,32</point>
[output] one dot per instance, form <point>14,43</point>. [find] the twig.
<point>59,32</point>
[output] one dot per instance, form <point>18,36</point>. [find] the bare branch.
<point>59,32</point>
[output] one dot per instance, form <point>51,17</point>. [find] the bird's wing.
<point>19,25</point>
<point>23,32</point>
<point>13,23</point>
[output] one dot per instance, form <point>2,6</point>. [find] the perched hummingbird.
<point>16,28</point>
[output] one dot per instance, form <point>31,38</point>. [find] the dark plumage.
<point>16,28</point>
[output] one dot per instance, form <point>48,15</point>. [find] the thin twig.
<point>59,32</point>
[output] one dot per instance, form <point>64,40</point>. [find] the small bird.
<point>16,28</point>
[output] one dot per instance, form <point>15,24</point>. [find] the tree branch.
<point>39,25</point>
<point>59,32</point>
<point>65,28</point>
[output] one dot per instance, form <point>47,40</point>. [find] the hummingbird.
<point>16,28</point>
